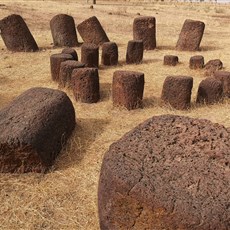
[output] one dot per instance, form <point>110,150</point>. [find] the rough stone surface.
<point>85,84</point>
<point>134,53</point>
<point>169,172</point>
<point>55,64</point>
<point>91,31</point>
<point>144,28</point>
<point>70,51</point>
<point>190,35</point>
<point>16,35</point>
<point>177,91</point>
<point>210,91</point>
<point>196,62</point>
<point>127,89</point>
<point>224,77</point>
<point>63,31</point>
<point>212,66</point>
<point>33,129</point>
<point>66,70</point>
<point>171,60</point>
<point>109,54</point>
<point>90,55</point>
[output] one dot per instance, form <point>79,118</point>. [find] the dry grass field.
<point>66,197</point>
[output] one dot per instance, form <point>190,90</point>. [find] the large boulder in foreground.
<point>170,172</point>
<point>33,129</point>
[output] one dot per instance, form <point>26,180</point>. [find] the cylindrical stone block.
<point>196,62</point>
<point>144,28</point>
<point>127,89</point>
<point>210,91</point>
<point>55,64</point>
<point>16,35</point>
<point>109,54</point>
<point>224,78</point>
<point>171,60</point>
<point>66,70</point>
<point>177,91</point>
<point>70,51</point>
<point>63,31</point>
<point>85,85</point>
<point>212,66</point>
<point>90,55</point>
<point>91,31</point>
<point>134,53</point>
<point>190,35</point>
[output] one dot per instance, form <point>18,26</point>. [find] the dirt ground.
<point>66,197</point>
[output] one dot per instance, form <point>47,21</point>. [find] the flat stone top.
<point>179,77</point>
<point>193,21</point>
<point>72,63</point>
<point>144,18</point>
<point>24,113</point>
<point>222,73</point>
<point>127,73</point>
<point>61,55</point>
<point>179,165</point>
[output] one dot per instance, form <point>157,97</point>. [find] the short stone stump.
<point>191,35</point>
<point>70,51</point>
<point>212,66</point>
<point>171,60</point>
<point>210,91</point>
<point>169,172</point>
<point>66,70</point>
<point>63,31</point>
<point>85,85</point>
<point>127,89</point>
<point>177,91</point>
<point>196,62</point>
<point>109,54</point>
<point>92,31</point>
<point>33,129</point>
<point>16,34</point>
<point>224,78</point>
<point>90,55</point>
<point>134,53</point>
<point>144,28</point>
<point>55,64</point>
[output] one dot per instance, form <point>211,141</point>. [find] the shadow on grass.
<point>105,91</point>
<point>85,133</point>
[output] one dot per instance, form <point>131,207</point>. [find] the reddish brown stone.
<point>66,70</point>
<point>170,172</point>
<point>91,31</point>
<point>109,54</point>
<point>134,53</point>
<point>90,55</point>
<point>177,91</point>
<point>16,35</point>
<point>171,60</point>
<point>85,84</point>
<point>63,31</point>
<point>55,64</point>
<point>212,66</point>
<point>190,35</point>
<point>210,91</point>
<point>70,51</point>
<point>224,78</point>
<point>144,28</point>
<point>127,89</point>
<point>196,62</point>
<point>33,129</point>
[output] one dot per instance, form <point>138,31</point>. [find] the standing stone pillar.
<point>16,35</point>
<point>63,31</point>
<point>144,28</point>
<point>190,35</point>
